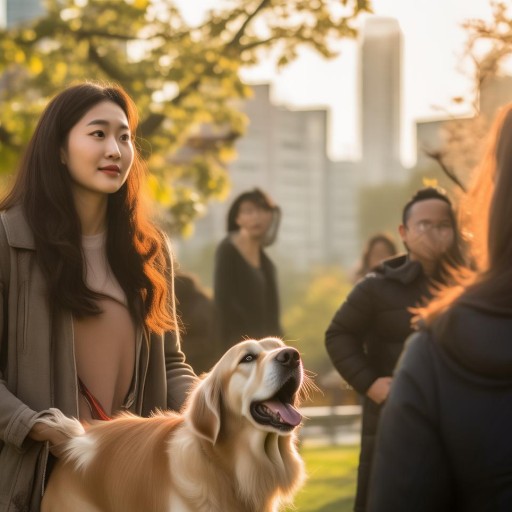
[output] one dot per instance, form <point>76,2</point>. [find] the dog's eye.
<point>249,358</point>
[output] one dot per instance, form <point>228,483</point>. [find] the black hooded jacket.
<point>445,434</point>
<point>367,336</point>
<point>368,332</point>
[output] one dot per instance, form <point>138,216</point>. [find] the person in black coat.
<point>196,318</point>
<point>367,334</point>
<point>245,283</point>
<point>444,441</point>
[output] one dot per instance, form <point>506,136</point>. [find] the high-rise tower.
<point>18,11</point>
<point>380,86</point>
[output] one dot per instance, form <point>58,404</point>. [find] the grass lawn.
<point>331,479</point>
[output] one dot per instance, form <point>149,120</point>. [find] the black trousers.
<point>371,414</point>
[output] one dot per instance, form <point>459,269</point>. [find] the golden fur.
<point>217,456</point>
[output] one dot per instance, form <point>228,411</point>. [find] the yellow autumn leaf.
<point>59,71</point>
<point>187,230</point>
<point>140,4</point>
<point>19,57</point>
<point>166,196</point>
<point>35,65</point>
<point>427,182</point>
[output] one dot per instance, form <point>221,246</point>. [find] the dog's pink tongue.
<point>286,411</point>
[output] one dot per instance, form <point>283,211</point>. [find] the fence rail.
<point>330,421</point>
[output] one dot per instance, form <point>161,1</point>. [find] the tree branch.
<point>438,157</point>
<point>6,138</point>
<point>241,31</point>
<point>111,70</point>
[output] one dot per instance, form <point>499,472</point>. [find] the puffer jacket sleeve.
<point>345,337</point>
<point>411,468</point>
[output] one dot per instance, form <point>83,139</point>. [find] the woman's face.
<point>380,251</point>
<point>99,150</point>
<point>253,219</point>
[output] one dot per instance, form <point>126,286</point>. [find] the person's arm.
<point>411,468</point>
<point>18,422</point>
<point>345,336</point>
<point>180,376</point>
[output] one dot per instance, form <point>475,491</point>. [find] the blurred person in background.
<point>196,317</point>
<point>378,248</point>
<point>245,282</point>
<point>367,334</point>
<point>444,441</point>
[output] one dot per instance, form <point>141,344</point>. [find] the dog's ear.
<point>204,409</point>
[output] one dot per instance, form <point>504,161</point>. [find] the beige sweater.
<point>104,344</point>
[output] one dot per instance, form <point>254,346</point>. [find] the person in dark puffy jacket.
<point>367,334</point>
<point>444,441</point>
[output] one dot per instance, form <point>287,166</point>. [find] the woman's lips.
<point>112,170</point>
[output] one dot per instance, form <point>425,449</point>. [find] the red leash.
<point>97,411</point>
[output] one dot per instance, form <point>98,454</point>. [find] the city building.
<point>283,153</point>
<point>14,12</point>
<point>380,76</point>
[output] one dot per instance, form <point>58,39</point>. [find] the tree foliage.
<point>308,311</point>
<point>184,79</point>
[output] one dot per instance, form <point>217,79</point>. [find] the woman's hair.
<point>135,248</point>
<point>382,238</point>
<point>261,200</point>
<point>486,222</point>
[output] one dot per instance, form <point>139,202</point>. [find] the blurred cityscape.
<point>329,207</point>
<point>285,153</point>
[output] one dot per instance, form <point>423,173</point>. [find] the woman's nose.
<point>113,150</point>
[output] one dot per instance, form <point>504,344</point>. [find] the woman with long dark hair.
<point>245,283</point>
<point>378,248</point>
<point>86,280</point>
<point>444,436</point>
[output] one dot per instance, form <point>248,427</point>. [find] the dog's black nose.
<point>288,357</point>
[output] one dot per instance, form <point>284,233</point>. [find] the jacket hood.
<point>479,341</point>
<point>399,268</point>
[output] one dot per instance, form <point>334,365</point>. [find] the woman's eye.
<point>126,137</point>
<point>97,133</point>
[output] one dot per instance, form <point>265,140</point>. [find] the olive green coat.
<point>37,367</point>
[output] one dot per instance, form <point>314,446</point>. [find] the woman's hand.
<point>41,432</point>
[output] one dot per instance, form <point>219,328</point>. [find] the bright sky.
<point>433,44</point>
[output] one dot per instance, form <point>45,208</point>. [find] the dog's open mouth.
<point>278,410</point>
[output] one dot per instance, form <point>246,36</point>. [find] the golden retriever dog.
<point>233,448</point>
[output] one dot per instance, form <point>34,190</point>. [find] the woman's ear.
<point>204,408</point>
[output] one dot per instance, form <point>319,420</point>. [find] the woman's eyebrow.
<point>104,122</point>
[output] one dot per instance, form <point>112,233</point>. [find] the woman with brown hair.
<point>378,248</point>
<point>88,317</point>
<point>245,283</point>
<point>444,436</point>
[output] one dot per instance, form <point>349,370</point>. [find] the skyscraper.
<point>18,11</point>
<point>381,88</point>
